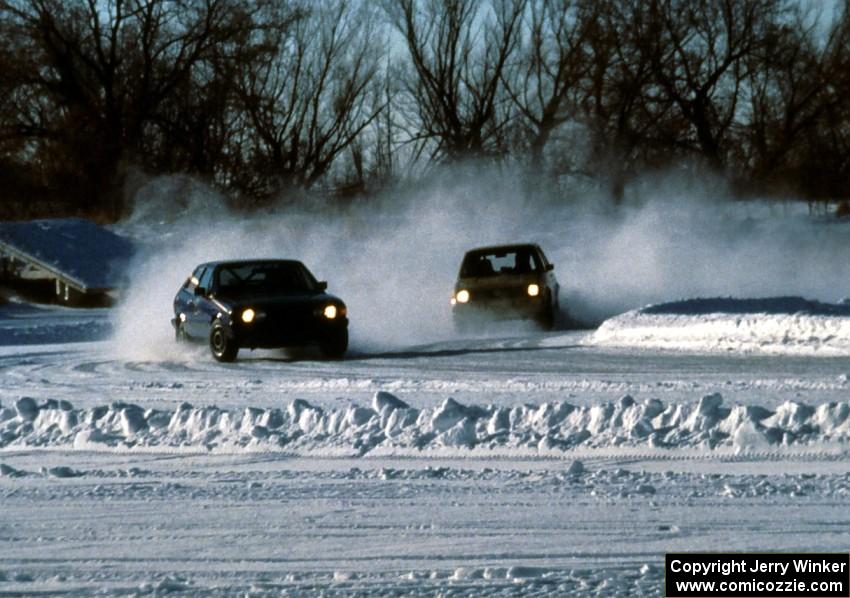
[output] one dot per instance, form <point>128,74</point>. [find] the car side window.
<point>539,263</point>
<point>205,281</point>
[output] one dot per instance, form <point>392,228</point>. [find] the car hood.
<point>271,302</point>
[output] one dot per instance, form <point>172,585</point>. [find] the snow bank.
<point>777,325</point>
<point>390,426</point>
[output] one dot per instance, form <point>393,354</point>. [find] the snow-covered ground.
<point>538,464</point>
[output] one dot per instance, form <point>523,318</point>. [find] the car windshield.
<point>494,262</point>
<point>265,278</point>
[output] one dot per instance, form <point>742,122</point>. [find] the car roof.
<point>500,248</point>
<point>246,261</point>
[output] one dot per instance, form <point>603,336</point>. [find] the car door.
<point>206,308</point>
<point>195,307</point>
<point>184,302</point>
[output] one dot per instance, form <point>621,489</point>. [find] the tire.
<point>222,346</point>
<point>180,335</point>
<point>462,325</point>
<point>546,319</point>
<point>335,345</point>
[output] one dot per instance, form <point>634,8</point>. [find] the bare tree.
<point>458,51</point>
<point>629,122</point>
<point>104,70</point>
<point>265,96</point>
<point>833,155</point>
<point>786,86</point>
<point>544,77</point>
<point>308,103</point>
<point>193,127</point>
<point>701,63</point>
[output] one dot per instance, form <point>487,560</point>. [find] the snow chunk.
<point>164,586</point>
<point>7,413</point>
<point>27,408</point>
<point>85,439</point>
<point>383,400</point>
<point>450,413</point>
<point>358,416</point>
<point>462,434</point>
<point>576,468</point>
<point>522,572</point>
<point>748,438</point>
<point>466,573</point>
<point>132,420</point>
<point>61,471</point>
<point>7,471</point>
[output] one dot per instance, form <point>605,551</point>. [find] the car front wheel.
<point>335,345</point>
<point>222,345</point>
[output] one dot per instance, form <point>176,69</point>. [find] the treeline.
<point>268,98</point>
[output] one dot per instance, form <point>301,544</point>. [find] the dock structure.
<point>84,262</point>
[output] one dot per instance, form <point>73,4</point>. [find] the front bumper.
<point>271,335</point>
<point>524,308</point>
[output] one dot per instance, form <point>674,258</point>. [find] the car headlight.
<point>462,296</point>
<point>330,312</point>
<point>533,290</point>
<point>248,315</point>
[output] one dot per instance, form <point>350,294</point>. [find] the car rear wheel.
<point>222,345</point>
<point>335,345</point>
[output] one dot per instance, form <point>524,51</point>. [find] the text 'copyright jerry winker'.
<point>765,575</point>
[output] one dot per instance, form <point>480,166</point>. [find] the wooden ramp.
<point>83,259</point>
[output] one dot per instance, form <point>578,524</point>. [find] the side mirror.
<point>200,292</point>
<point>323,285</point>
<point>550,267</point>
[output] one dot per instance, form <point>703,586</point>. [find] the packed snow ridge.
<point>391,426</point>
<point>777,325</point>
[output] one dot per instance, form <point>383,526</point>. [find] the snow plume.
<point>678,238</point>
<point>394,258</point>
<point>389,426</point>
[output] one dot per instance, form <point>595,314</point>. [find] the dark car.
<point>259,304</point>
<point>505,282</point>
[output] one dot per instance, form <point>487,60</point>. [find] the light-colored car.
<point>505,282</point>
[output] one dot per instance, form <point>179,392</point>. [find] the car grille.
<point>498,294</point>
<point>289,318</point>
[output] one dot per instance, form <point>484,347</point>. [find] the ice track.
<point>537,369</point>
